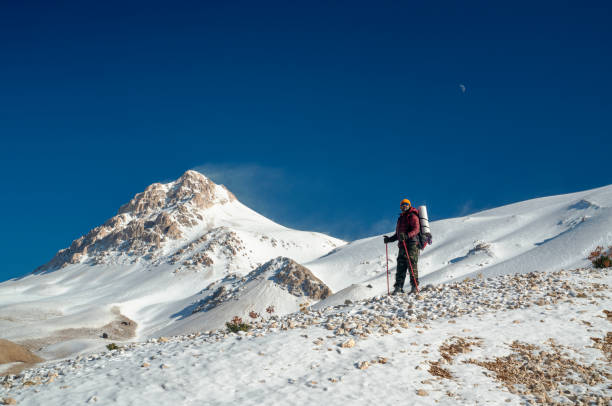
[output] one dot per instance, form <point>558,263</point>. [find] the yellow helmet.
<point>405,201</point>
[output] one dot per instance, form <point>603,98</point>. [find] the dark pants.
<point>403,267</point>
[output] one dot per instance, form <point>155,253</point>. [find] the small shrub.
<point>112,346</point>
<point>603,261</point>
<point>253,314</point>
<point>600,258</point>
<point>596,253</point>
<point>236,325</point>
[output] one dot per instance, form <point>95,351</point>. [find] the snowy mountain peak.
<point>190,224</point>
<point>192,187</point>
<point>163,212</point>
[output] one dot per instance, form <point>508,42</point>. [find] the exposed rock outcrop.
<point>284,272</point>
<point>298,280</point>
<point>219,242</point>
<point>191,187</point>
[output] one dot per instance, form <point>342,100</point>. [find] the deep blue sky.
<point>322,116</point>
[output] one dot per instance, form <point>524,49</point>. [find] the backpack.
<point>424,236</point>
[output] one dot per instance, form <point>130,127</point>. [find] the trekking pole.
<point>387,250</point>
<point>410,263</point>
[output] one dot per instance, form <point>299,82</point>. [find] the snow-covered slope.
<point>525,339</point>
<point>542,234</point>
<point>280,286</point>
<point>148,263</point>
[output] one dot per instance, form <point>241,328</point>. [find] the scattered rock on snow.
<point>363,365</point>
<point>383,315</point>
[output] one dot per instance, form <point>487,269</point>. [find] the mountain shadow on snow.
<point>583,204</point>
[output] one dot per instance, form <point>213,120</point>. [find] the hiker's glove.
<point>387,239</point>
<point>402,236</point>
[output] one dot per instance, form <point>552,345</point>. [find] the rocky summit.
<point>163,212</point>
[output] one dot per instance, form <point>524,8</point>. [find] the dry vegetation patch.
<point>532,371</point>
<point>604,344</point>
<point>457,345</point>
<point>436,370</point>
<point>448,350</point>
<point>11,352</point>
<point>14,353</point>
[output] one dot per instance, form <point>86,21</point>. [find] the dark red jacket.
<point>408,223</point>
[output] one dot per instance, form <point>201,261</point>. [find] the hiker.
<point>407,233</point>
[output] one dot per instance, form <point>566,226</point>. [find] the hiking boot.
<point>397,291</point>
<point>412,291</point>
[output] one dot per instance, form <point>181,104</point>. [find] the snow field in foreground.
<point>300,358</point>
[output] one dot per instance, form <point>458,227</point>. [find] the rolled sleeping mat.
<point>424,220</point>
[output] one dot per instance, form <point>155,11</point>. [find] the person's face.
<point>404,207</point>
